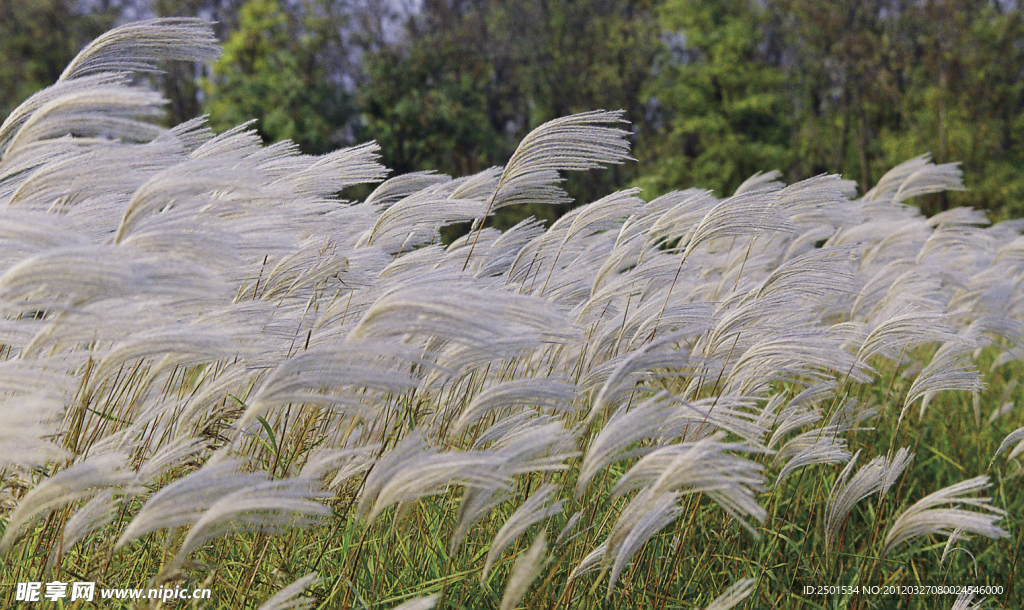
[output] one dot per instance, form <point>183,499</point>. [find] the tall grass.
<point>218,374</point>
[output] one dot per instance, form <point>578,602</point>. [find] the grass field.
<point>218,375</point>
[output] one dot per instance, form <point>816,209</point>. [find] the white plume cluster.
<point>174,300</point>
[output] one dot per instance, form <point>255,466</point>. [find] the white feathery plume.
<point>316,263</point>
<point>949,548</point>
<point>526,443</point>
<point>849,415</point>
<point>1002,410</point>
<point>184,501</point>
<point>817,274</point>
<point>963,602</point>
<point>172,455</point>
<point>10,127</point>
<point>238,143</point>
<point>735,594</point>
<point>546,393</point>
<point>820,200</point>
<point>737,216</point>
<point>760,181</point>
<point>878,476</point>
<point>74,483</point>
<point>930,178</point>
<point>899,270</point>
<point>602,215</point>
<point>822,446</point>
<point>215,397</point>
<point>924,518</point>
<point>625,255</point>
<point>61,184</point>
<point>26,231</point>
<point>959,217</point>
<point>189,135</point>
<point>502,252</point>
<point>268,506</point>
<point>640,224</point>
<point>807,356</point>
<point>416,220</point>
<point>476,503</point>
<point>530,262</point>
<point>526,570</point>
<point>530,442</point>
<point>569,284</point>
<point>410,265</point>
<point>538,186</point>
<point>186,345</point>
<point>136,47</point>
<point>111,111</point>
<point>791,418</point>
<point>26,430</point>
<point>563,536</point>
<point>805,241</point>
<point>192,185</point>
<point>399,187</point>
<point>681,320</point>
<point>325,175</point>
<point>348,369</point>
<point>971,248</point>
<point>647,514</point>
<point>944,373</point>
<point>466,315</point>
<point>903,330</point>
<point>814,395</point>
<point>730,413</point>
<point>530,512</point>
<point>476,186</point>
<point>413,470</point>
<point>741,323</point>
<point>82,275</point>
<point>288,597</point>
<point>427,602</point>
<point>636,362</point>
<point>1017,436</point>
<point>95,514</point>
<point>687,209</point>
<point>343,463</point>
<point>605,214</point>
<point>623,429</point>
<point>747,214</point>
<point>573,143</point>
<point>918,176</point>
<point>591,563</point>
<point>704,466</point>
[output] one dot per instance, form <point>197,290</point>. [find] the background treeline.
<point>716,89</point>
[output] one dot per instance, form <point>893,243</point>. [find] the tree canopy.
<point>716,91</point>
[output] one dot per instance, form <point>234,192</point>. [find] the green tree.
<point>963,100</point>
<point>719,96</point>
<point>428,100</point>
<point>271,71</point>
<point>469,79</point>
<point>566,57</point>
<point>844,86</point>
<point>38,38</point>
<point>181,81</point>
<point>877,82</point>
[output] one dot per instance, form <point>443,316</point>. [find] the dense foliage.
<point>215,373</point>
<point>715,91</point>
